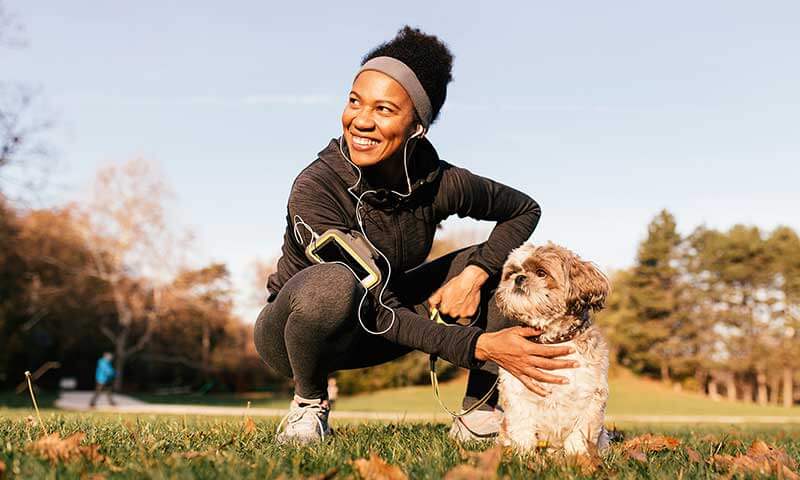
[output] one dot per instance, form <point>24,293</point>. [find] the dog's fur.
<point>556,291</point>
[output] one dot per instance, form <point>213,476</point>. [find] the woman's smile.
<point>377,120</point>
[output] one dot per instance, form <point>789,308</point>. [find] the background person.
<point>103,376</point>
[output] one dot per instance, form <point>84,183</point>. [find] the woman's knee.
<point>325,295</point>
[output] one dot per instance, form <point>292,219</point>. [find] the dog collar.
<point>568,335</point>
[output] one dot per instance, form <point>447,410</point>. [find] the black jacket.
<point>403,229</point>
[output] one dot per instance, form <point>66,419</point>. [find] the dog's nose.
<point>520,280</point>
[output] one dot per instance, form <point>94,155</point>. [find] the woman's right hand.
<point>511,349</point>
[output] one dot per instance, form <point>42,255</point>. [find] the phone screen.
<point>331,251</point>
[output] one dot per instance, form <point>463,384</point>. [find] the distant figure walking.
<point>103,375</point>
<point>333,391</point>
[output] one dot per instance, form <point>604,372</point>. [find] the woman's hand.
<point>511,349</point>
<point>461,295</point>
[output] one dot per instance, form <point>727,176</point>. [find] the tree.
<point>784,247</point>
<point>23,150</point>
<point>735,274</point>
<point>133,252</point>
<point>648,312</point>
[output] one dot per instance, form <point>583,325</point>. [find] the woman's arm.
<point>468,195</point>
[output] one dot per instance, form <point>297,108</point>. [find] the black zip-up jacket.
<point>403,229</point>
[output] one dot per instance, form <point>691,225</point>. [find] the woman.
<point>382,178</point>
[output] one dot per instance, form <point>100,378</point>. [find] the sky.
<point>604,112</point>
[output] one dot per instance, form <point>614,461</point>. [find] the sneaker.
<point>306,422</point>
<point>477,425</point>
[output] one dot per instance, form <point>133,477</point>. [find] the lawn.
<point>630,395</point>
<point>197,447</point>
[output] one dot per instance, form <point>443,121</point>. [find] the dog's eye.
<point>541,273</point>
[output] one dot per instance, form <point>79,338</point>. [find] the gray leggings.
<point>310,329</point>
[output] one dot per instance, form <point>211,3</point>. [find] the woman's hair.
<point>426,55</point>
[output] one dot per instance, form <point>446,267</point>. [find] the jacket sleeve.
<point>455,344</point>
<point>469,195</point>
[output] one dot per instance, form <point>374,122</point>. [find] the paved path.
<point>79,401</point>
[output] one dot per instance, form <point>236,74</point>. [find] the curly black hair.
<point>426,55</point>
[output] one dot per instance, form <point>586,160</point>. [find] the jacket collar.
<point>424,168</point>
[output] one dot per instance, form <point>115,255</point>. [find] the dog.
<point>551,289</point>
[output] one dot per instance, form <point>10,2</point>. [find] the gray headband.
<point>409,81</point>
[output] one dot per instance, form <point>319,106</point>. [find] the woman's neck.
<point>390,173</point>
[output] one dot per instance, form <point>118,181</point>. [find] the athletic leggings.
<point>311,328</point>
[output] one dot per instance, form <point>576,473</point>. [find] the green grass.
<point>629,396</point>
<point>152,447</point>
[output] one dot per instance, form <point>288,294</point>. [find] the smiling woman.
<point>383,183</point>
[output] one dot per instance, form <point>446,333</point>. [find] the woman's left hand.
<point>461,295</point>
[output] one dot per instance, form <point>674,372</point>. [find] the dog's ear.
<point>588,286</point>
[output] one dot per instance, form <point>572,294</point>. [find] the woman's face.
<point>378,118</point>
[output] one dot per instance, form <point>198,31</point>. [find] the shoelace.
<point>297,414</point>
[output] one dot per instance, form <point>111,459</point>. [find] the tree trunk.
<point>120,357</point>
<point>788,387</point>
<point>206,351</point>
<point>774,389</point>
<point>730,386</point>
<point>665,372</point>
<point>747,390</point>
<point>761,380</point>
<point>713,391</point>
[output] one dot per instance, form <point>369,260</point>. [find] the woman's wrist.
<point>476,274</point>
<point>481,348</point>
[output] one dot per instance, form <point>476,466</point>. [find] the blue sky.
<point>604,112</point>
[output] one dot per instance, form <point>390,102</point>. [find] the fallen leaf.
<point>484,468</point>
<point>760,458</point>
<point>588,464</point>
<point>94,476</point>
<point>651,443</point>
<point>57,449</point>
<point>377,469</point>
<point>2,469</point>
<point>693,455</point>
<point>324,476</point>
<point>761,449</point>
<point>636,454</point>
<point>329,475</point>
<point>249,426</point>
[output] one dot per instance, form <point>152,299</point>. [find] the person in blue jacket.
<point>103,375</point>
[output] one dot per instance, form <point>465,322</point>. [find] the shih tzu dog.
<point>551,289</point>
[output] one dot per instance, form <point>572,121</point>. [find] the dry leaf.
<point>761,449</point>
<point>329,475</point>
<point>324,476</point>
<point>485,467</point>
<point>636,454</point>
<point>249,426</point>
<point>2,469</point>
<point>693,455</point>
<point>651,443</point>
<point>57,449</point>
<point>760,458</point>
<point>94,476</point>
<point>377,469</point>
<point>588,464</point>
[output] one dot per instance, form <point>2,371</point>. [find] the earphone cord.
<point>360,222</point>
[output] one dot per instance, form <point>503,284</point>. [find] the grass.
<point>630,395</point>
<point>158,447</point>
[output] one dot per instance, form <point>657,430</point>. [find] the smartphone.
<point>335,246</point>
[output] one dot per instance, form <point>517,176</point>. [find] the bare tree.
<point>24,153</point>
<point>133,252</point>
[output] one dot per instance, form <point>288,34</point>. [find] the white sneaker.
<point>477,425</point>
<point>306,422</point>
